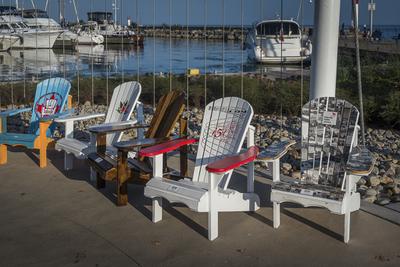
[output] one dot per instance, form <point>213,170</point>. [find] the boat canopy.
<point>7,9</point>
<point>34,13</point>
<point>100,17</point>
<point>275,28</point>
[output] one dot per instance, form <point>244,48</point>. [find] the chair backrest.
<point>328,135</point>
<point>123,102</point>
<point>50,99</point>
<point>223,131</point>
<point>168,111</point>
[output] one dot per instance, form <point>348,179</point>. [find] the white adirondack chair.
<point>331,161</point>
<point>225,125</point>
<point>123,102</point>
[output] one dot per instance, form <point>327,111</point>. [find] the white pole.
<point>325,48</point>
<point>115,12</point>
<point>371,17</point>
<point>16,4</point>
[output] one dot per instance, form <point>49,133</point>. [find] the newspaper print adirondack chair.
<point>127,166</point>
<point>50,102</point>
<point>226,124</point>
<point>123,102</point>
<point>331,161</point>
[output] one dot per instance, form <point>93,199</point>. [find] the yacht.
<point>278,41</point>
<point>14,25</point>
<point>113,33</point>
<point>7,41</point>
<point>88,34</point>
<point>39,19</point>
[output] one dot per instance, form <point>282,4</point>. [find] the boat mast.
<point>76,12</point>
<point>115,11</point>
<point>371,8</point>
<point>33,4</point>
<point>325,48</point>
<point>16,4</point>
<point>61,11</point>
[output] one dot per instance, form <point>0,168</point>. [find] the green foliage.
<point>380,78</point>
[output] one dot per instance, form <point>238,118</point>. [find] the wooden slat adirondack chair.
<point>123,102</point>
<point>168,111</point>
<point>50,102</point>
<point>331,161</point>
<point>226,124</point>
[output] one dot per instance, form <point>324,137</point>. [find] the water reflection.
<point>113,60</point>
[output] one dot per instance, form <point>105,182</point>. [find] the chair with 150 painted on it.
<point>226,123</point>
<point>50,103</point>
<point>331,161</point>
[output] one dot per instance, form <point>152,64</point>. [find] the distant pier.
<point>387,47</point>
<point>181,32</point>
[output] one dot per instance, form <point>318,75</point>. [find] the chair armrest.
<point>9,113</point>
<point>166,147</point>
<point>55,116</point>
<point>130,145</point>
<point>232,162</point>
<point>361,162</point>
<point>82,117</point>
<point>115,127</point>
<point>275,151</point>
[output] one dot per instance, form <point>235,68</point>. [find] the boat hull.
<point>292,60</point>
<point>6,42</point>
<point>37,40</point>
<point>87,39</point>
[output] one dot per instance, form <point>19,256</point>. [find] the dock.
<point>56,218</point>
<point>386,47</point>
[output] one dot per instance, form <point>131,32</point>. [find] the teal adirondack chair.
<point>50,101</point>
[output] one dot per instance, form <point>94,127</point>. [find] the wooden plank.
<point>3,148</point>
<point>158,116</point>
<point>69,105</point>
<point>275,151</point>
<point>122,178</point>
<point>43,126</point>
<point>229,163</point>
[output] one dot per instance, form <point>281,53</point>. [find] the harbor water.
<point>155,55</point>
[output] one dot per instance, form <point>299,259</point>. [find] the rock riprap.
<point>381,187</point>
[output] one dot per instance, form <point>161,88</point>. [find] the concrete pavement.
<point>52,218</point>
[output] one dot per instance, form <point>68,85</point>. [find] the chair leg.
<point>68,161</point>
<point>346,227</point>
<point>93,174</point>
<point>3,154</point>
<point>122,193</point>
<point>100,182</point>
<point>212,224</point>
<point>157,209</point>
<point>277,214</point>
<point>43,156</point>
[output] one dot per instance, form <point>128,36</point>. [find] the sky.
<point>387,12</point>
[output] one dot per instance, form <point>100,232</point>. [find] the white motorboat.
<point>278,41</point>
<point>7,41</point>
<point>39,19</point>
<point>88,35</point>
<point>29,38</point>
<point>113,33</point>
